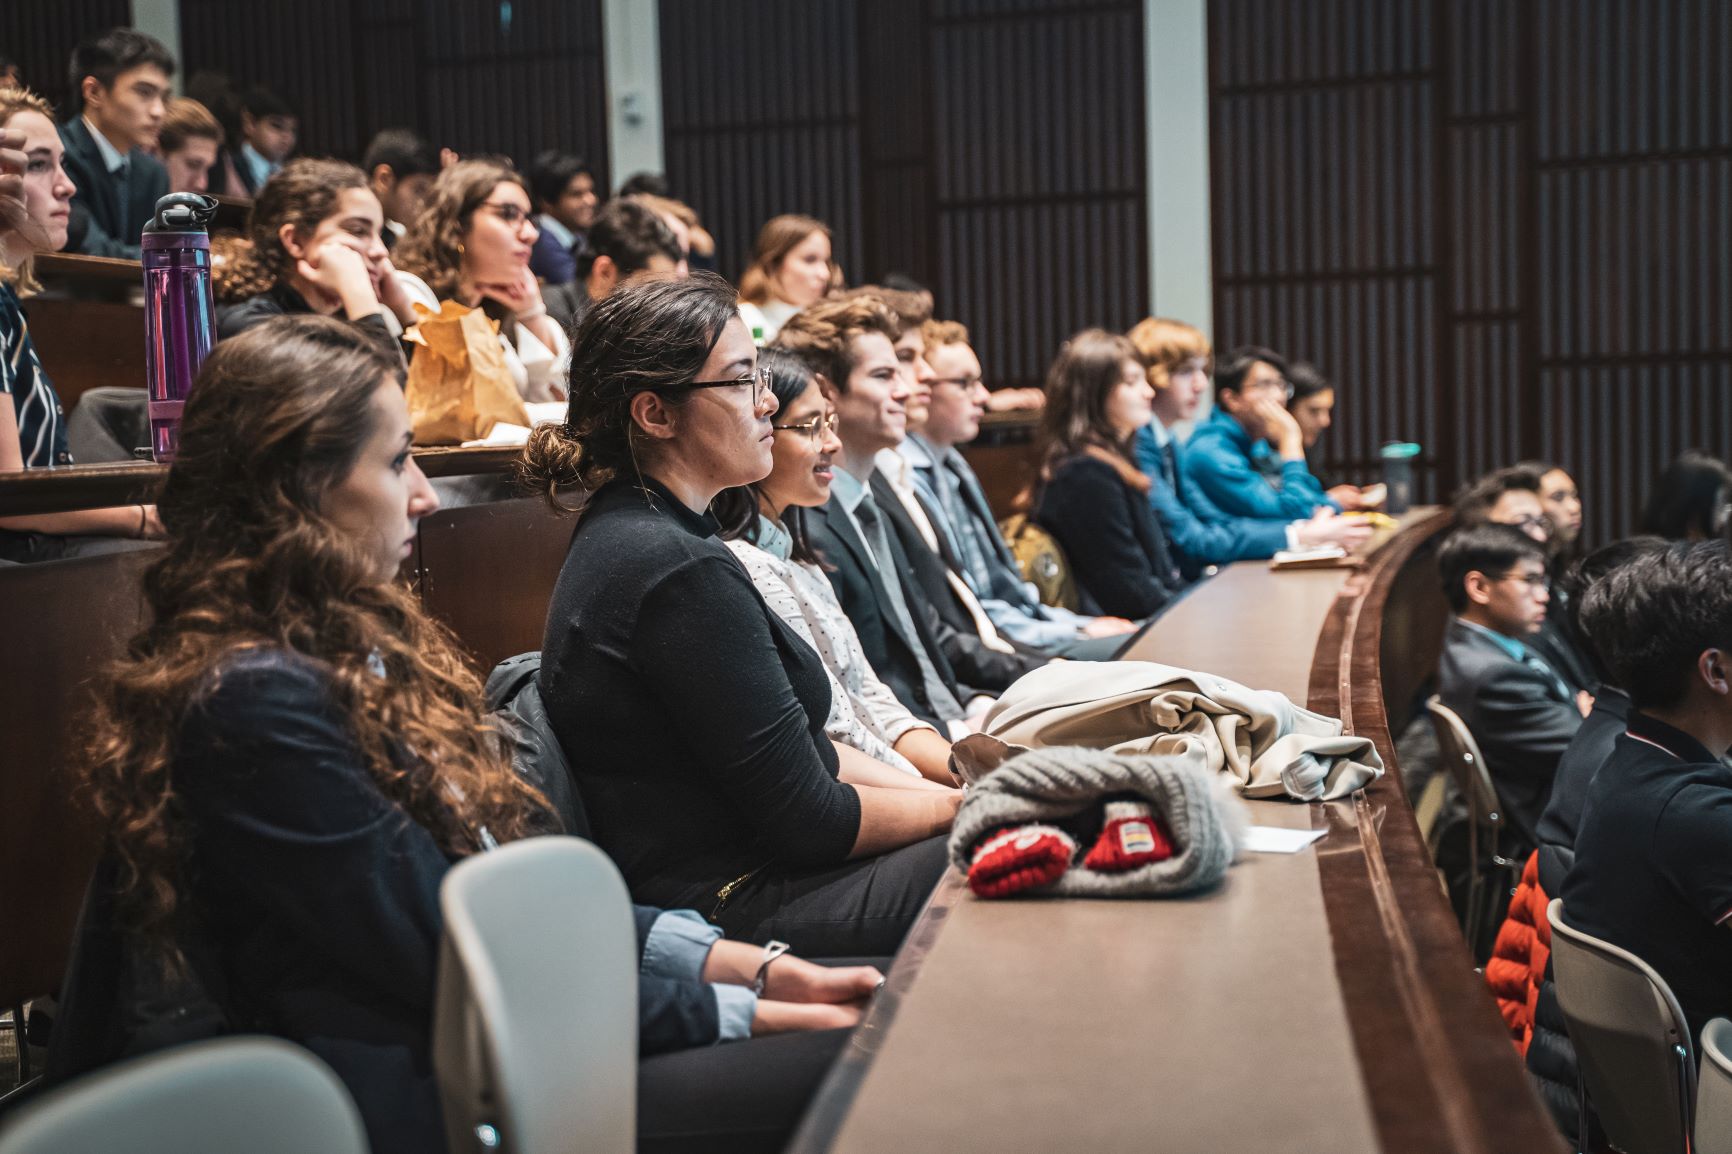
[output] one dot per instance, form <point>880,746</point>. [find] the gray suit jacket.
<point>1518,715</point>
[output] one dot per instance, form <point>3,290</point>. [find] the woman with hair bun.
<point>693,716</point>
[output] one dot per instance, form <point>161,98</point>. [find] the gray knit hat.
<point>1047,785</point>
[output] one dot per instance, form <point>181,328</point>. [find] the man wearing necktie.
<point>123,78</point>
<point>1520,712</point>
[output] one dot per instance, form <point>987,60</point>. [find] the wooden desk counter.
<point>1315,1001</point>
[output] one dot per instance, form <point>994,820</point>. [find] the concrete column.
<point>631,30</point>
<point>1176,65</point>
<point>161,19</point>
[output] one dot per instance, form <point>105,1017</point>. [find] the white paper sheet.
<point>1271,839</point>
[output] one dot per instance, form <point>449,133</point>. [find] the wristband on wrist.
<point>772,951</point>
<point>142,517</point>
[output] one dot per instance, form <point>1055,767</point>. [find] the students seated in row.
<point>1177,358</point>
<point>295,751</point>
<point>692,715</point>
<point>1562,501</point>
<point>1651,873</point>
<point>791,268</point>
<point>764,524</point>
<point>1511,496</point>
<point>188,144</point>
<point>471,244</point>
<point>1689,498</point>
<point>968,537</point>
<point>1311,401</point>
<point>120,80</point>
<point>1089,495</point>
<point>626,240</point>
<point>314,246</point>
<point>32,425</point>
<point>268,128</point>
<point>1249,423</point>
<point>566,202</point>
<point>1519,710</point>
<point>849,347</point>
<point>401,167</point>
<point>982,662</point>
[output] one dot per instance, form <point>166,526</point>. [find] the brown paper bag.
<point>459,385</point>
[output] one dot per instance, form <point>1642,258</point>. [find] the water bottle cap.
<point>1399,450</point>
<point>183,212</point>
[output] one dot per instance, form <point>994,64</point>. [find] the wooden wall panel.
<point>463,72</point>
<point>1551,182</point>
<point>992,149</point>
<point>39,36</point>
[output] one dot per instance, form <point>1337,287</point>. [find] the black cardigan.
<point>1115,547</point>
<point>692,716</point>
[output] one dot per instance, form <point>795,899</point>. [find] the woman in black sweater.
<point>292,755</point>
<point>1090,496</point>
<point>693,716</point>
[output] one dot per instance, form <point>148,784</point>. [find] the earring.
<point>460,248</point>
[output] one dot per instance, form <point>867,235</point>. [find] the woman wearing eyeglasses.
<point>471,244</point>
<point>763,525</point>
<point>692,715</point>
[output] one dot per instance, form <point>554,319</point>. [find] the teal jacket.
<point>1220,464</point>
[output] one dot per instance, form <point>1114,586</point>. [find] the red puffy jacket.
<point>1517,965</point>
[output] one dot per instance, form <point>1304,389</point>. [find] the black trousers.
<point>862,908</point>
<point>735,1098</point>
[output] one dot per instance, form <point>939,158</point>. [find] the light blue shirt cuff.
<point>678,945</point>
<point>735,1008</point>
<point>1025,629</point>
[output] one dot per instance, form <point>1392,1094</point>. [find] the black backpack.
<point>514,697</point>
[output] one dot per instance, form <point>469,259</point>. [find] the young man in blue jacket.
<point>1250,421</point>
<point>1176,356</point>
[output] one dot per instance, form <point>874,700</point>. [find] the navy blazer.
<point>1520,717</point>
<point>1199,532</point>
<point>101,225</point>
<point>554,263</point>
<point>866,601</point>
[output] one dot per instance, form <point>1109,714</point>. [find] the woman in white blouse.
<point>471,244</point>
<point>761,524</point>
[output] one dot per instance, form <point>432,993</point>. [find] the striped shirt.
<point>41,423</point>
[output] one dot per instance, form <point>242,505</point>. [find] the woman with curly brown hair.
<point>471,244</point>
<point>292,754</point>
<point>692,715</point>
<point>313,246</point>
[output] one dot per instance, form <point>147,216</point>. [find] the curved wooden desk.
<point>1317,1001</point>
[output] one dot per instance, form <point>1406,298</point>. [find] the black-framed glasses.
<point>1531,580</point>
<point>511,214</point>
<point>759,378</point>
<point>813,427</point>
<point>966,383</point>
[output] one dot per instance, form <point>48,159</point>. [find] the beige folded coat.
<point>1270,746</point>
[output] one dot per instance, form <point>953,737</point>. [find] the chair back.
<point>1632,1042</point>
<point>535,1016</point>
<point>253,1094</point>
<point>1466,767</point>
<point>1714,1090</point>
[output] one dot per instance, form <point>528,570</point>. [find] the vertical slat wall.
<point>992,149</point>
<point>1549,184</point>
<point>39,38</point>
<point>1323,199</point>
<point>475,75</point>
<point>761,116</point>
<point>1038,149</point>
<point>1633,161</point>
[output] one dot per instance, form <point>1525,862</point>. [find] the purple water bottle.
<point>179,317</point>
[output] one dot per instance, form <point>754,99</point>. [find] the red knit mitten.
<point>1020,858</point>
<point>1133,836</point>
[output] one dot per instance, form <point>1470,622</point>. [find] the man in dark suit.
<point>848,345</point>
<point>1518,709</point>
<point>121,80</point>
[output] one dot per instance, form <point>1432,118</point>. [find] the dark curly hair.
<point>650,335</point>
<point>303,193</point>
<point>277,417</point>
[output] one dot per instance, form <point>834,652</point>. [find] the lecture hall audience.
<point>791,268</point>
<point>295,751</point>
<point>626,240</point>
<point>35,209</point>
<point>692,715</point>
